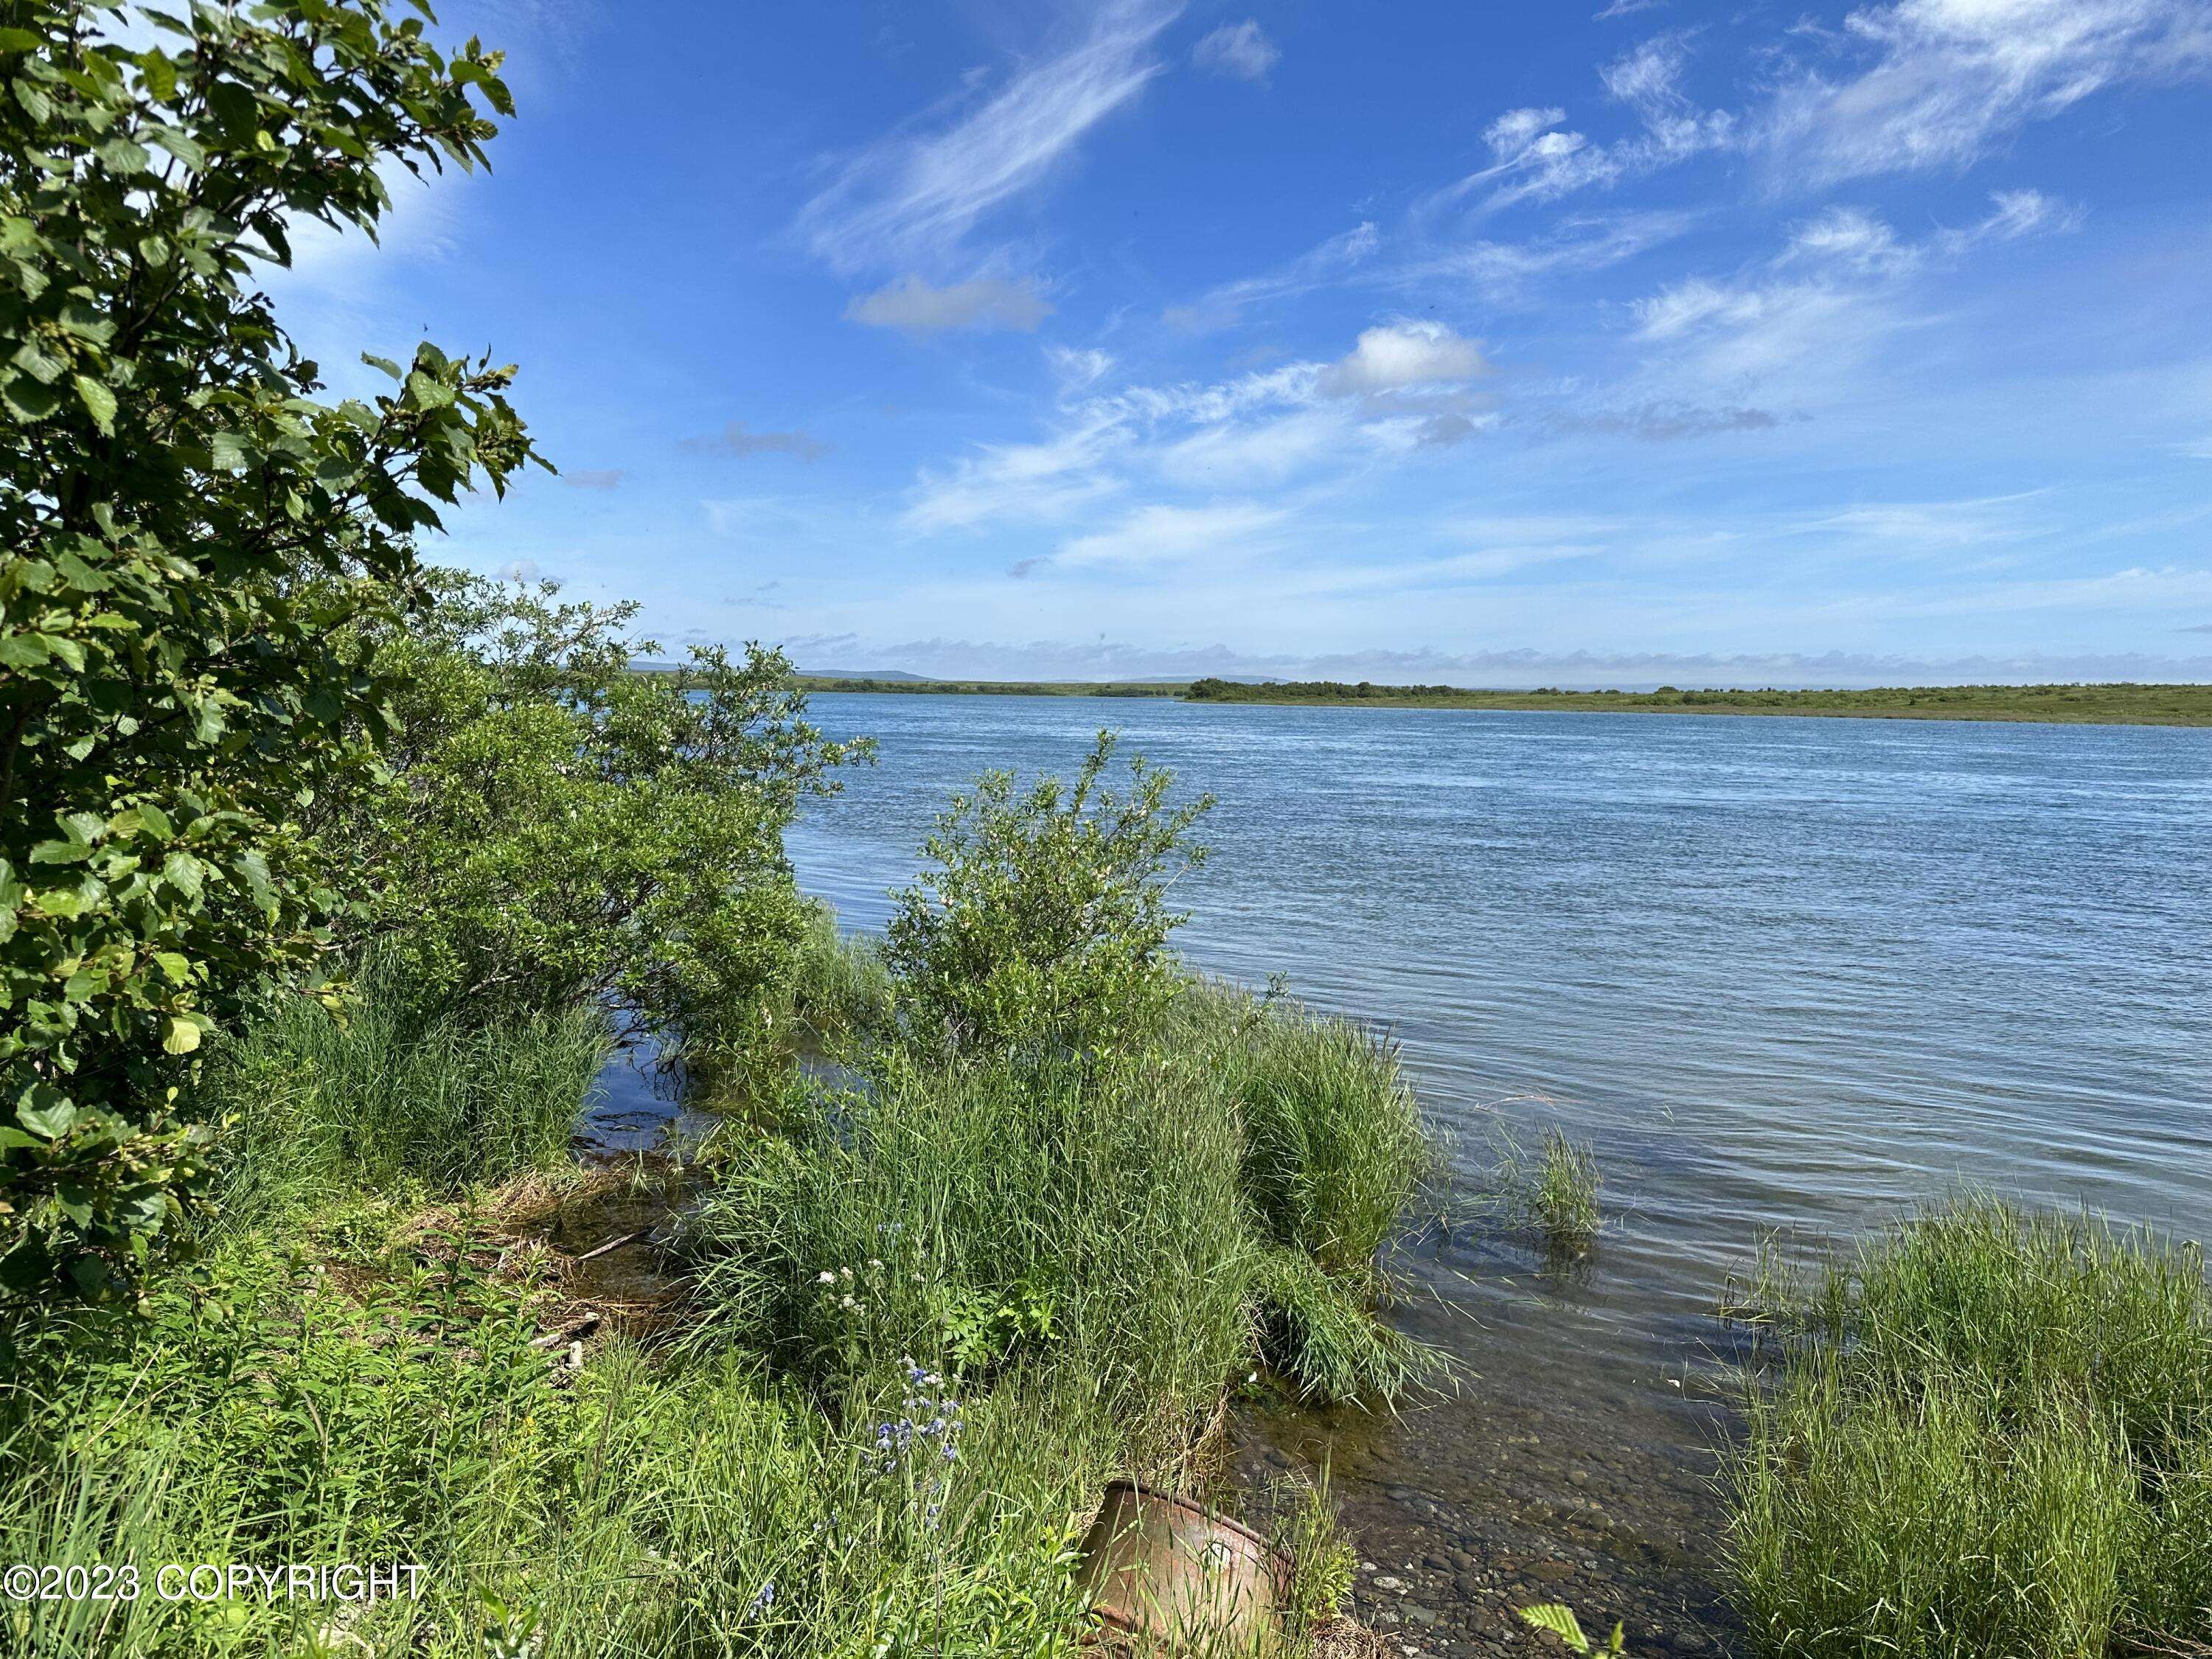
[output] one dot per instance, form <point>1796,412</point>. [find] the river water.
<point>1784,973</point>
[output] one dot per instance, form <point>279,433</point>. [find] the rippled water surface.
<point>1788,973</point>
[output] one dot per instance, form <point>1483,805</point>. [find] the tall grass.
<point>378,1099</point>
<point>1333,1147</point>
<point>1078,1252</point>
<point>993,1219</point>
<point>840,991</point>
<point>1990,1433</point>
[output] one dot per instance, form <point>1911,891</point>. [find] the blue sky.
<point>1491,344</point>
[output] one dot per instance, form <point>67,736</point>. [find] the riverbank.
<point>2102,705</point>
<point>2117,704</point>
<point>850,1375</point>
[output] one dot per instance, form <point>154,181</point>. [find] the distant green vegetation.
<point>2109,705</point>
<point>2117,704</point>
<point>1985,1433</point>
<point>995,687</point>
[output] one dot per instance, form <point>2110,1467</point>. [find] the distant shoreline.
<point>2118,704</point>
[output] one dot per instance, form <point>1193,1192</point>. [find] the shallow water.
<point>1785,973</point>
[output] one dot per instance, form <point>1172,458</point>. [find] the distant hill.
<point>858,674</point>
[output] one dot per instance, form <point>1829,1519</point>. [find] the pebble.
<point>1387,1582</point>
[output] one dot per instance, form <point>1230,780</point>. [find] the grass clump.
<point>1333,1145</point>
<point>994,1220</point>
<point>1990,1433</point>
<point>840,992</point>
<point>380,1098</point>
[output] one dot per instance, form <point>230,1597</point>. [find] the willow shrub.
<point>1043,925</point>
<point>195,543</point>
<point>1989,1433</point>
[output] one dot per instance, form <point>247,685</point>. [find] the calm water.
<point>1784,973</point>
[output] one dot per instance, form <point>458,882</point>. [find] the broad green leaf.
<point>98,403</point>
<point>1561,1621</point>
<point>180,1036</point>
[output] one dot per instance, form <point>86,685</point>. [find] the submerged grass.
<point>1989,1433</point>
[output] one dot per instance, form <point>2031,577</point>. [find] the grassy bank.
<point>850,1382</point>
<point>1987,1432</point>
<point>2115,704</point>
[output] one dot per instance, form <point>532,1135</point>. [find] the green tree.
<point>193,540</point>
<point>1046,921</point>
<point>555,826</point>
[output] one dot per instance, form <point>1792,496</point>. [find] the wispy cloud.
<point>1840,282</point>
<point>608,477</point>
<point>1328,262</point>
<point>1046,480</point>
<point>1949,79</point>
<point>1158,534</point>
<point>1239,49</point>
<point>908,200</point>
<point>985,302</point>
<point>735,440</point>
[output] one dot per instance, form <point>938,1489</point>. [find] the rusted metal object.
<point>1164,1574</point>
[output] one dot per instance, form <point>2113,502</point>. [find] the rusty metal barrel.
<point>1165,1574</point>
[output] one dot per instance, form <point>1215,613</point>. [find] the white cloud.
<point>1240,50</point>
<point>1078,371</point>
<point>907,200</point>
<point>1329,262</point>
<point>1045,480</point>
<point>1853,237</point>
<point>1267,451</point>
<point>1950,79</point>
<point>1534,160</point>
<point>983,303</point>
<point>1924,524</point>
<point>1401,354</point>
<point>1647,79</point>
<point>1841,283</point>
<point>1159,534</point>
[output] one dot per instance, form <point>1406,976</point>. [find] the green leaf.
<point>177,967</point>
<point>429,393</point>
<point>1561,1621</point>
<point>52,1120</point>
<point>13,40</point>
<point>180,1036</point>
<point>28,399</point>
<point>122,155</point>
<point>98,403</point>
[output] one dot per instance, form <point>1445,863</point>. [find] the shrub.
<point>191,540</point>
<point>1045,924</point>
<point>558,829</point>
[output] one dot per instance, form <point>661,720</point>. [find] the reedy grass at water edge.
<point>1986,1432</point>
<point>339,1377</point>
